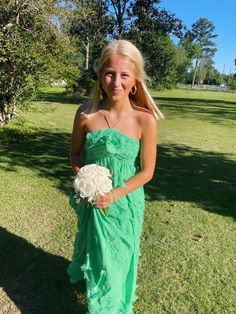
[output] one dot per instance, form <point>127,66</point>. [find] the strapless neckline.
<point>115,130</point>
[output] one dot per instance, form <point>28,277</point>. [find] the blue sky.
<point>223,16</point>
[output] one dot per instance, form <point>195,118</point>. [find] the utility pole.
<point>229,79</point>
<point>223,72</point>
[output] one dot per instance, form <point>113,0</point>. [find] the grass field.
<point>188,248</point>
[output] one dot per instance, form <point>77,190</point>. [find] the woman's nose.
<point>117,80</point>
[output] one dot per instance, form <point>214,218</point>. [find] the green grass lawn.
<point>188,259</point>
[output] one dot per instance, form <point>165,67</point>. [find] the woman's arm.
<point>77,139</point>
<point>148,161</point>
<point>147,157</point>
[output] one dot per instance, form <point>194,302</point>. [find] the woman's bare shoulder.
<point>84,108</point>
<point>140,107</point>
<point>83,113</point>
<point>144,115</point>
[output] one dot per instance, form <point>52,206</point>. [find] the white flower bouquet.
<point>92,180</point>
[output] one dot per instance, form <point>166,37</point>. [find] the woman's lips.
<point>116,91</point>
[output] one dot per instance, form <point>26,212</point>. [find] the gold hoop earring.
<point>133,90</point>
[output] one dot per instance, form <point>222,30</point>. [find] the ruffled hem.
<point>98,297</point>
<point>111,308</point>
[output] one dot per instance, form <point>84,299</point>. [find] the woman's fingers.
<point>102,201</point>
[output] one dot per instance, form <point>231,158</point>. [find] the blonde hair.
<point>142,98</point>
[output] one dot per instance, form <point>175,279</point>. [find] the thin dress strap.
<point>106,118</point>
<point>108,122</point>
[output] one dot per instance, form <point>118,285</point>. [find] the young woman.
<point>118,131</point>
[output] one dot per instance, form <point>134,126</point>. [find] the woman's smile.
<point>117,90</point>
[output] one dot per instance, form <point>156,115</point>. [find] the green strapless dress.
<point>107,248</point>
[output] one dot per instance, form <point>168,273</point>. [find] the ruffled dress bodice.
<point>114,150</point>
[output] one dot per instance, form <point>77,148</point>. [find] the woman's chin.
<point>116,97</point>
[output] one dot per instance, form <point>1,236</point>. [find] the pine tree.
<point>203,33</point>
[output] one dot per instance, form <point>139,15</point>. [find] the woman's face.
<point>118,78</point>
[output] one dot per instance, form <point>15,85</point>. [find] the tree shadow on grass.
<point>34,280</point>
<point>44,151</point>
<point>183,173</point>
<point>58,97</point>
<point>216,111</point>
<point>190,175</point>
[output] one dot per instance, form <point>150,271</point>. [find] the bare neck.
<point>117,107</point>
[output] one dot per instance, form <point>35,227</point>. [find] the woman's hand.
<point>103,201</point>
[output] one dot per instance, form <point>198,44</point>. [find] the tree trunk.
<point>195,72</point>
<point>87,55</point>
<point>8,109</point>
<point>120,9</point>
<point>119,20</point>
<point>8,113</point>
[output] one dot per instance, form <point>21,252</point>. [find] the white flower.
<point>91,181</point>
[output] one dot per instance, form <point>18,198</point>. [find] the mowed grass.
<point>188,259</point>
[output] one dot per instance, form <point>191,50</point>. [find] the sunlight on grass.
<point>188,242</point>
<point>196,94</point>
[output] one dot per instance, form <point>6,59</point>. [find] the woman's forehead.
<point>119,61</point>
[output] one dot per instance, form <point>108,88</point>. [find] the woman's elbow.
<point>148,175</point>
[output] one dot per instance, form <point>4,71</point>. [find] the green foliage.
<point>160,55</point>
<point>150,30</point>
<point>232,83</point>
<point>89,25</point>
<point>202,34</point>
<point>213,77</point>
<point>84,83</point>
<point>32,52</point>
<point>200,47</point>
<point>142,22</point>
<point>192,48</point>
<point>147,16</point>
<point>182,63</point>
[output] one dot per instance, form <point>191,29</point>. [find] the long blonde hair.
<point>142,97</point>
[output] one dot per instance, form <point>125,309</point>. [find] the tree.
<point>183,63</point>
<point>90,24</point>
<point>120,9</point>
<point>232,84</point>
<point>212,77</point>
<point>31,49</point>
<point>202,34</point>
<point>142,22</point>
<point>192,50</point>
<point>150,29</point>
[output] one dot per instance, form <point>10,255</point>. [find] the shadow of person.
<point>36,281</point>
